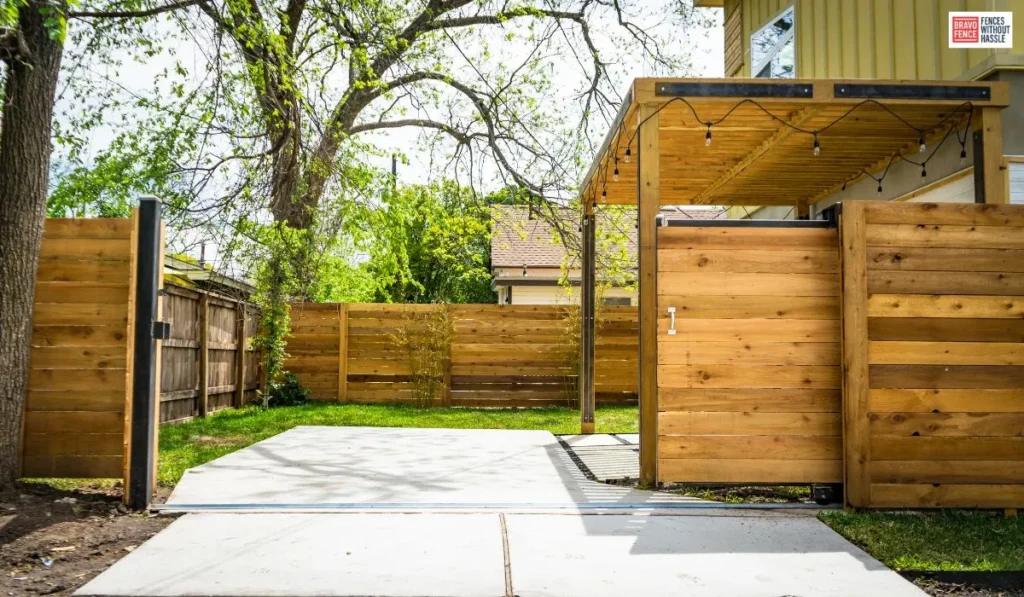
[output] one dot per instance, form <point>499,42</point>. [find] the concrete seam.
<point>505,552</point>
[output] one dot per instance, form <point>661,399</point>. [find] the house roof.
<point>519,239</point>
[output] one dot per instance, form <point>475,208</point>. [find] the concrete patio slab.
<point>696,556</point>
<point>313,555</point>
<point>415,467</point>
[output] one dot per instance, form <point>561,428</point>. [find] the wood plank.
<point>754,447</point>
<point>749,471</point>
<point>81,292</point>
<point>946,376</point>
<point>80,314</point>
<point>95,249</point>
<point>78,357</point>
<point>54,270</point>
<point>946,282</point>
<point>750,330</point>
<point>73,444</point>
<point>755,376</point>
<point>768,239</point>
<point>648,238</point>
<point>887,447</point>
<point>938,259</point>
<point>947,471</point>
<point>748,261</point>
<point>343,352</point>
<point>94,400</point>
<point>952,329</point>
<point>931,235</point>
<point>960,214</point>
<point>83,467</point>
<point>78,335</point>
<point>73,422</point>
<point>946,400</point>
<point>989,124</point>
<point>81,380</point>
<point>750,353</point>
<point>242,344</point>
<point>751,307</point>
<point>920,305</point>
<point>889,495</point>
<point>948,424</point>
<point>724,284</point>
<point>946,353</point>
<point>83,228</point>
<point>204,355</point>
<point>708,423</point>
<point>749,400</point>
<point>856,432</point>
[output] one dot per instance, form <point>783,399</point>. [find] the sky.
<point>706,59</point>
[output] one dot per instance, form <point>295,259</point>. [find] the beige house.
<point>528,255</point>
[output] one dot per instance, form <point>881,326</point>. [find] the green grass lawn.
<point>948,540</point>
<point>201,440</point>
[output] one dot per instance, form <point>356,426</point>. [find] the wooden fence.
<point>749,382</point>
<point>80,380</point>
<point>500,355</point>
<point>208,351</point>
<point>933,349</point>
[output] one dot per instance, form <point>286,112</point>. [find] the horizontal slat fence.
<point>749,384</point>
<point>500,355</point>
<point>200,369</point>
<point>934,354</point>
<point>79,384</point>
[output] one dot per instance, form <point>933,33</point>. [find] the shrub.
<point>287,392</point>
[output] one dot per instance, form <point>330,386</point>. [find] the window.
<point>1015,172</point>
<point>773,48</point>
<point>616,301</point>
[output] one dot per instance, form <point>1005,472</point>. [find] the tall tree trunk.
<point>24,175</point>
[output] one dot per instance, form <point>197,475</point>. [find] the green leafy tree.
<point>433,246</point>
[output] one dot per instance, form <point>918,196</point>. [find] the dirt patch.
<point>54,541</point>
<point>747,495</point>
<point>949,589</point>
<point>209,440</point>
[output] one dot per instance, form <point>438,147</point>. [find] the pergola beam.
<point>781,135</point>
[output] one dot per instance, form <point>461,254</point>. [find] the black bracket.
<point>161,330</point>
<point>912,92</point>
<point>801,90</point>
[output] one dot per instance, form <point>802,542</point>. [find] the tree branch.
<point>132,14</point>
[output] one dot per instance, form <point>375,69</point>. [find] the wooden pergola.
<point>764,142</point>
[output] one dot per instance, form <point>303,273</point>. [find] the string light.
<point>922,146</point>
<point>924,171</point>
<point>626,158</point>
<point>707,137</point>
<point>879,191</point>
<point>817,146</point>
<point>963,157</point>
<point>615,174</point>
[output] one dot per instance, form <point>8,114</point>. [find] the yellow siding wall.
<point>875,39</point>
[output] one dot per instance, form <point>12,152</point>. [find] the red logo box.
<point>966,29</point>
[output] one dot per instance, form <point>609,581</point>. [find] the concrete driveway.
<point>405,512</point>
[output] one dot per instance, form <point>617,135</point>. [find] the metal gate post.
<point>147,329</point>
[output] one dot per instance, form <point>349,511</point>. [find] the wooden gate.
<point>748,375</point>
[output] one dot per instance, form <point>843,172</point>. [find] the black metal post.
<point>587,323</point>
<point>978,142</point>
<point>143,428</point>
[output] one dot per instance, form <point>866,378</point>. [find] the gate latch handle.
<point>672,321</point>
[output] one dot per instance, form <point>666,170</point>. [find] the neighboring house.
<point>887,39</point>
<point>528,255</point>
<point>187,273</point>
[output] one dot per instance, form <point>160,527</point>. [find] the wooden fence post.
<point>853,268</point>
<point>446,397</point>
<point>204,346</point>
<point>649,196</point>
<point>242,343</point>
<point>342,352</point>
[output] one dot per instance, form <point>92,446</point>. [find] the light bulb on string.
<point>626,157</point>
<point>615,173</point>
<point>879,191</point>
<point>922,146</point>
<point>817,146</point>
<point>963,157</point>
<point>924,171</point>
<point>707,138</point>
